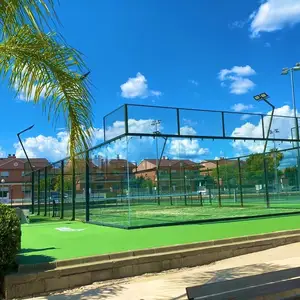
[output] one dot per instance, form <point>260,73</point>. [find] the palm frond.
<point>44,70</point>
<point>15,13</point>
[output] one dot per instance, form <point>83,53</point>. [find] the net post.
<point>62,190</point>
<point>73,188</point>
<point>45,192</point>
<point>87,186</point>
<point>219,187</point>
<point>240,182</point>
<point>32,192</point>
<point>39,192</point>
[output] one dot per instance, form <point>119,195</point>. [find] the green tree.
<point>228,173</point>
<point>253,169</point>
<point>38,63</point>
<point>291,174</point>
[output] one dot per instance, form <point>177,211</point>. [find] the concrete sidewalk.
<point>171,285</point>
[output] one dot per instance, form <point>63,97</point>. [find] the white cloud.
<point>137,87</point>
<point>238,107</point>
<point>274,15</point>
<point>255,131</point>
<point>237,24</point>
<point>55,148</point>
<point>267,45</point>
<point>245,117</point>
<point>186,130</point>
<point>186,148</point>
<point>2,152</point>
<point>52,148</point>
<point>239,84</point>
<point>194,82</point>
<point>238,71</point>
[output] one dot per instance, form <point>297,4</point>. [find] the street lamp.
<point>275,159</point>
<point>286,71</point>
<point>156,123</point>
<point>18,134</point>
<point>264,97</point>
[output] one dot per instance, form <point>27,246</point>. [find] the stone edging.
<point>41,279</point>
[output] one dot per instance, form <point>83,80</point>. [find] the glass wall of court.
<point>131,191</point>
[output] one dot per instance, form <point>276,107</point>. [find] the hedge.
<point>10,238</point>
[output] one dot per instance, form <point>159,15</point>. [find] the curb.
<point>42,279</point>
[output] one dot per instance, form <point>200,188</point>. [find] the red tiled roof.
<point>172,162</point>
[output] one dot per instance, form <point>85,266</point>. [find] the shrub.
<point>10,238</point>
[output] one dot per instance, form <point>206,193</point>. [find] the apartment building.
<point>13,177</point>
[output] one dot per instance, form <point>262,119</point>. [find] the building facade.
<point>14,184</point>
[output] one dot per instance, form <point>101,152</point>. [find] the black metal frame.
<point>222,136</point>
<point>85,156</point>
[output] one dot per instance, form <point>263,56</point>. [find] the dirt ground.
<point>170,285</point>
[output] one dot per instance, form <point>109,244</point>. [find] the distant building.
<point>13,177</point>
<point>174,174</point>
<point>210,164</point>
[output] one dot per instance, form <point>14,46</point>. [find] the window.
<point>4,174</point>
<point>23,173</point>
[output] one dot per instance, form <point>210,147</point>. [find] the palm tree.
<point>44,68</point>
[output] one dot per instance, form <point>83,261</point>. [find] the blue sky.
<point>198,54</point>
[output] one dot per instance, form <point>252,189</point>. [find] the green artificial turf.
<point>43,242</point>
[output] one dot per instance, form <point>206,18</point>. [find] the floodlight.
<point>297,67</point>
<point>285,71</point>
<point>264,95</point>
<point>257,98</point>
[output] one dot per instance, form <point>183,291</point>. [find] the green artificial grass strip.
<point>42,242</point>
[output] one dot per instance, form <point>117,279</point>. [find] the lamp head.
<point>285,71</point>
<point>257,98</point>
<point>264,96</point>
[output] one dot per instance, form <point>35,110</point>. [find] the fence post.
<point>87,187</point>
<point>240,182</point>
<point>170,185</point>
<point>178,120</point>
<point>266,181</point>
<point>184,186</point>
<point>223,125</point>
<point>219,187</point>
<point>39,192</point>
<point>73,188</point>
<point>62,190</point>
<point>32,192</point>
<point>126,118</point>
<point>46,188</point>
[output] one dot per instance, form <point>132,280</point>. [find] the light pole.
<point>128,179</point>
<point>156,123</point>
<point>275,159</point>
<point>286,71</point>
<point>264,97</point>
<point>31,168</point>
<point>18,134</point>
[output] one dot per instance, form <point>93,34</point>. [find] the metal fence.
<point>173,123</point>
<point>105,189</point>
